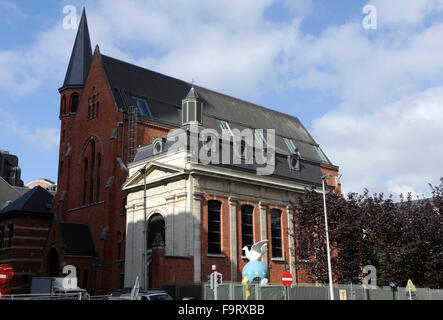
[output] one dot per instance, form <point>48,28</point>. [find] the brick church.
<point>113,115</point>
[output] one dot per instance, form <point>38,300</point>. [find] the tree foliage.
<point>403,240</point>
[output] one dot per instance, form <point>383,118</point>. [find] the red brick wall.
<point>108,211</point>
<point>27,251</point>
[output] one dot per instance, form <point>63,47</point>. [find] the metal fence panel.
<point>273,293</point>
<point>308,293</point>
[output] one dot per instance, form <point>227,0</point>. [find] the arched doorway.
<point>155,246</point>
<point>156,231</point>
<point>53,263</point>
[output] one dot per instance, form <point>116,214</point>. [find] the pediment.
<point>154,172</point>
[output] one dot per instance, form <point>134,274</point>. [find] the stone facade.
<point>179,191</point>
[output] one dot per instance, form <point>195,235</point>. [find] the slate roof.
<point>81,56</point>
<point>309,172</point>
<point>164,95</point>
<point>36,201</point>
<point>9,193</point>
<point>77,239</point>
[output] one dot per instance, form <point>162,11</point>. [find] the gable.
<point>154,173</point>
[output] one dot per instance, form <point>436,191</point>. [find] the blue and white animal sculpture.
<point>255,270</point>
<point>257,250</point>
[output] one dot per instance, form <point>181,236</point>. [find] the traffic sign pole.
<point>287,280</point>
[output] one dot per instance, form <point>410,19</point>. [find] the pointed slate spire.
<point>81,56</point>
<point>192,108</point>
<point>192,94</point>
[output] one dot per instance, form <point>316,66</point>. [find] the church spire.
<point>81,56</point>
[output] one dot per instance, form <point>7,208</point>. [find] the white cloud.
<point>405,13</point>
<point>394,149</point>
<point>43,138</point>
<point>380,77</point>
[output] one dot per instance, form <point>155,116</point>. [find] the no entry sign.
<point>3,276</point>
<point>286,279</point>
<point>6,273</point>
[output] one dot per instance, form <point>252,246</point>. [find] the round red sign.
<point>6,273</point>
<point>286,279</point>
<point>3,276</point>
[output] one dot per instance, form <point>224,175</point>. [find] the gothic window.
<point>97,193</point>
<point>64,104</point>
<point>97,108</point>
<point>93,107</point>
<point>247,226</point>
<point>214,234</point>
<point>91,186</point>
<point>276,233</point>
<point>89,112</point>
<point>63,134</point>
<point>85,179</point>
<point>74,102</point>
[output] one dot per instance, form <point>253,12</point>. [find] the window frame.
<point>274,244</point>
<point>225,127</point>
<point>243,213</point>
<point>142,112</point>
<point>260,137</point>
<point>214,232</point>
<point>290,145</point>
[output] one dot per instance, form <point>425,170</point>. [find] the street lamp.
<point>145,232</point>
<point>331,291</point>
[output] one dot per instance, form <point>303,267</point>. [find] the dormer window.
<point>260,137</point>
<point>143,107</point>
<point>291,146</point>
<point>225,128</point>
<point>320,153</point>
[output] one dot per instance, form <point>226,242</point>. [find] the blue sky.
<point>371,98</point>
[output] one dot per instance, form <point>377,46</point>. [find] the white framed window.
<point>224,126</point>
<point>291,146</point>
<point>320,153</point>
<point>259,136</point>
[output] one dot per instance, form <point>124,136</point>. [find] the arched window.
<point>85,179</point>
<point>74,102</point>
<point>97,193</point>
<point>85,279</point>
<point>97,108</point>
<point>89,112</point>
<point>214,234</point>
<point>63,134</point>
<point>156,231</point>
<point>93,107</point>
<point>64,104</point>
<point>276,233</point>
<point>91,185</point>
<point>247,235</point>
